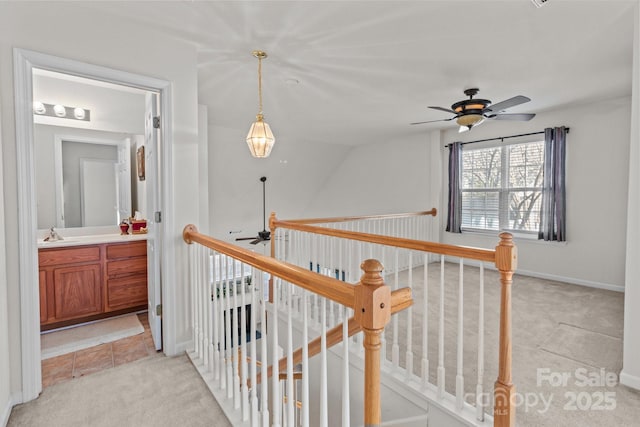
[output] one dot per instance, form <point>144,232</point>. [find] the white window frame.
<point>504,190</point>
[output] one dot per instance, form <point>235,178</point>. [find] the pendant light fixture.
<point>260,138</point>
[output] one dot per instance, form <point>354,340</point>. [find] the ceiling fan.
<point>472,112</point>
<point>263,235</point>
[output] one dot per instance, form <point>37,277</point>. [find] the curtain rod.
<point>503,137</point>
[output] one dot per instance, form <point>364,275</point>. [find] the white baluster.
<point>305,362</point>
<point>205,308</point>
<point>441,370</point>
<point>346,397</point>
<point>243,346</point>
<point>253,374</point>
<point>275,374</point>
<point>395,349</point>
<point>194,296</point>
<point>479,392</point>
<point>264,387</point>
<point>409,352</point>
<point>235,333</point>
<point>210,283</point>
<point>332,264</point>
<point>425,322</point>
<point>228,351</point>
<point>290,380</point>
<point>324,409</point>
<point>216,314</point>
<point>459,373</point>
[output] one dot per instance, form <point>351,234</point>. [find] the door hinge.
<point>158,217</point>
<point>156,122</point>
<point>159,310</point>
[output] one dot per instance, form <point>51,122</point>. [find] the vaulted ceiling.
<point>349,72</point>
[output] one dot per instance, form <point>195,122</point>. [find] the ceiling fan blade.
<point>433,121</point>
<point>245,238</point>
<point>522,116</point>
<point>256,241</point>
<point>448,110</point>
<point>508,103</point>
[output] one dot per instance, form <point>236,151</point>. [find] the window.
<point>501,187</point>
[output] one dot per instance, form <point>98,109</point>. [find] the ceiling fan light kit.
<point>260,139</point>
<point>474,111</point>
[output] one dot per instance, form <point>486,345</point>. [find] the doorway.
<point>25,64</point>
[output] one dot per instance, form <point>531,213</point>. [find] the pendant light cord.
<point>260,85</point>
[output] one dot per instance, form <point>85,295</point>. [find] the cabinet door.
<point>77,291</point>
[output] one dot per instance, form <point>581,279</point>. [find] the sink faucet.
<point>53,236</point>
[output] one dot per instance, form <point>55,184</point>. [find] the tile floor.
<point>103,356</point>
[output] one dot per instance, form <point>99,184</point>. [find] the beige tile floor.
<point>95,359</point>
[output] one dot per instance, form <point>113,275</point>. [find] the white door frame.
<point>23,63</point>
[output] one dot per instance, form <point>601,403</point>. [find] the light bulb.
<point>78,113</point>
<point>39,108</point>
<point>59,110</point>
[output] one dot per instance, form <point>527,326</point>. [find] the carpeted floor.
<point>156,391</point>
<point>567,354</point>
<point>567,346</point>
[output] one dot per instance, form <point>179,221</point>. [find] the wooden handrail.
<point>328,287</point>
<point>400,299</point>
<point>399,242</point>
<point>432,212</point>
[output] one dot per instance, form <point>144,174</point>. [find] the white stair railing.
<point>330,241</point>
<point>238,331</point>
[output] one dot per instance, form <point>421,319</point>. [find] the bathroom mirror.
<point>84,178</point>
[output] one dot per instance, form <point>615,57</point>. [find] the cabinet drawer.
<point>127,250</point>
<point>126,292</point>
<point>127,267</point>
<point>58,256</point>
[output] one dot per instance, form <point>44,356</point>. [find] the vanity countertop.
<point>90,240</point>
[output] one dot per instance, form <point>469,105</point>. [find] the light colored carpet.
<point>77,338</point>
<point>156,391</point>
<point>559,329</point>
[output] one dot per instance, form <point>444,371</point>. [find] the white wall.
<point>378,179</point>
<point>596,183</point>
<point>119,47</point>
<point>295,172</point>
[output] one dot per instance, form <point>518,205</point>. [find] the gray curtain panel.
<point>553,215</point>
<point>454,214</point>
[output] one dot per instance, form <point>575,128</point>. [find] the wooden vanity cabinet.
<point>126,275</point>
<point>83,283</point>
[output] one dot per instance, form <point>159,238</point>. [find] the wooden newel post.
<point>504,411</point>
<point>372,310</point>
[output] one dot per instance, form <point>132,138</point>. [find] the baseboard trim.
<point>631,381</point>
<point>182,347</point>
<point>555,278</point>
<point>573,281</point>
<point>13,400</point>
<point>5,413</point>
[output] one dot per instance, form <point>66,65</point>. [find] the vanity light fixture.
<point>260,139</point>
<point>61,111</point>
